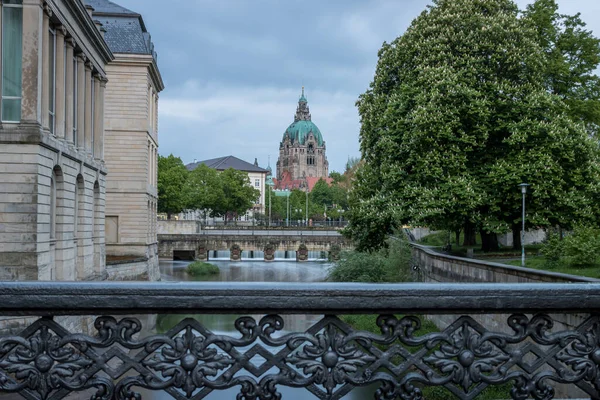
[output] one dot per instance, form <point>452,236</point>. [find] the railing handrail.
<point>93,298</point>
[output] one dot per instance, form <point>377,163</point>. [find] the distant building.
<point>131,143</point>
<point>257,177</point>
<point>302,151</point>
<point>52,173</point>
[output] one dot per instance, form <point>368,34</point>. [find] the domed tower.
<point>302,150</point>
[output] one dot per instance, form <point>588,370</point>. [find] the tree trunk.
<point>169,215</point>
<point>470,238</point>
<point>489,242</point>
<point>457,234</point>
<point>516,233</point>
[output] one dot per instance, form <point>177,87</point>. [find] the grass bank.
<point>199,268</point>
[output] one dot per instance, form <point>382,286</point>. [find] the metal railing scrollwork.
<point>330,358</point>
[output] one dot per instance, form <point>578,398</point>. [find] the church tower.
<point>302,150</point>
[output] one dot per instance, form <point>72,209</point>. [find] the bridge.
<point>263,244</point>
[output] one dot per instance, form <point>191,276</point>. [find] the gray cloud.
<point>233,68</point>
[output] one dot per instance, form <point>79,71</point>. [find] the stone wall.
<point>131,122</point>
<point>438,267</point>
<point>174,227</point>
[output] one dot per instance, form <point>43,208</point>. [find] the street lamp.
<point>523,187</point>
<point>270,184</point>
<point>299,210</point>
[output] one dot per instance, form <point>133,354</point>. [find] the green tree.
<point>204,189</point>
<point>321,194</point>
<point>572,57</point>
<point>238,195</point>
<point>336,177</point>
<point>456,117</point>
<point>171,182</point>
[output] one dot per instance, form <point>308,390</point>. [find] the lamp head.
<point>523,187</point>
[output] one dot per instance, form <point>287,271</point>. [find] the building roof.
<point>299,131</point>
<point>286,182</point>
<point>223,163</point>
<point>302,127</point>
<point>125,29</point>
<point>108,7</point>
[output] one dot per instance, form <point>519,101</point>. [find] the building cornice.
<point>143,60</point>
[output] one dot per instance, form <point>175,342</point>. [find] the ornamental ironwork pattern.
<point>45,361</point>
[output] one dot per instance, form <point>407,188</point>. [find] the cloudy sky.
<point>234,69</point>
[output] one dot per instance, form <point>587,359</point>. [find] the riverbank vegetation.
<point>389,264</point>
<point>199,268</point>
<point>447,136</point>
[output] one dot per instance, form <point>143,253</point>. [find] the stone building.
<point>302,150</point>
<point>257,177</point>
<point>52,173</point>
<point>131,140</point>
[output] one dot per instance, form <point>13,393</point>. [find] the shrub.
<point>198,268</point>
<point>581,247</point>
<point>386,265</point>
<point>553,247</point>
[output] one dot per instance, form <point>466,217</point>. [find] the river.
<point>248,271</point>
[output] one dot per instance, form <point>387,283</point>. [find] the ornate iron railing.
<point>329,359</point>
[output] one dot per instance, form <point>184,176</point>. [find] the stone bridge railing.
<point>527,358</point>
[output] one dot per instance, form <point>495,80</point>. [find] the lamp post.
<point>523,187</point>
<point>270,184</point>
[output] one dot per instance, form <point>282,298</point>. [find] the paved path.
<point>265,232</point>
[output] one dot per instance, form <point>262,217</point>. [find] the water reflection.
<point>248,271</point>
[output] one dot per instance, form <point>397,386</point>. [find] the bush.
<point>578,249</point>
<point>198,268</point>
<point>553,247</point>
<point>386,265</point>
<point>582,246</point>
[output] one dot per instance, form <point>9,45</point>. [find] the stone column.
<point>97,117</point>
<point>88,107</point>
<point>81,59</point>
<point>60,83</point>
<point>45,67</point>
<point>69,87</point>
<point>103,82</point>
<point>33,21</point>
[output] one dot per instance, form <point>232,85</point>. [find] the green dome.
<point>300,130</point>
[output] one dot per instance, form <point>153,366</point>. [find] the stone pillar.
<point>69,92</point>
<point>97,117</point>
<point>33,21</point>
<point>45,68</point>
<point>103,82</point>
<point>60,83</point>
<point>81,59</point>
<point>88,107</point>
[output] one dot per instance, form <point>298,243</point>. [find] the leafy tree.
<point>204,189</point>
<point>456,117</point>
<point>337,177</point>
<point>572,57</point>
<point>238,195</point>
<point>171,182</point>
<point>321,194</point>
